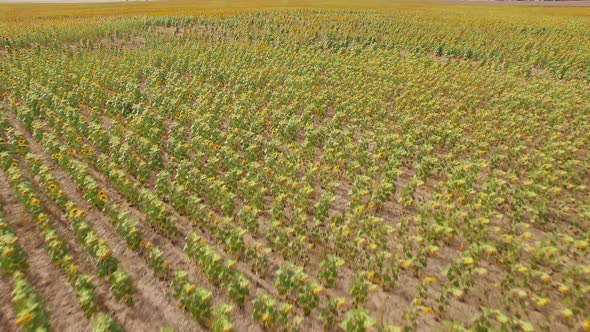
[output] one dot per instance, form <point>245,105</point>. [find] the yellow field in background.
<point>294,166</point>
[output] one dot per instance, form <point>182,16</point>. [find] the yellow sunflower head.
<point>102,196</point>
<point>74,212</point>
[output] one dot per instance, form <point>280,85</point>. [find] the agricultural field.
<point>294,166</point>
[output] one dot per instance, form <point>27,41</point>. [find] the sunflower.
<point>542,302</point>
<point>74,269</point>
<point>206,298</point>
<point>231,264</point>
<point>106,254</point>
<point>406,264</point>
<point>41,217</point>
<point>57,156</point>
<point>288,309</point>
<point>8,252</point>
<point>14,165</point>
<point>430,281</point>
<point>74,212</point>
<point>190,289</point>
<point>102,196</point>
<point>426,311</point>
<point>22,142</point>
<point>52,187</point>
<point>27,318</point>
<point>34,202</point>
<point>318,291</point>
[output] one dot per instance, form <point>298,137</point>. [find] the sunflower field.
<point>294,166</point>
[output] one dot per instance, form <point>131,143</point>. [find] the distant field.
<point>294,166</point>
<point>559,3</point>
